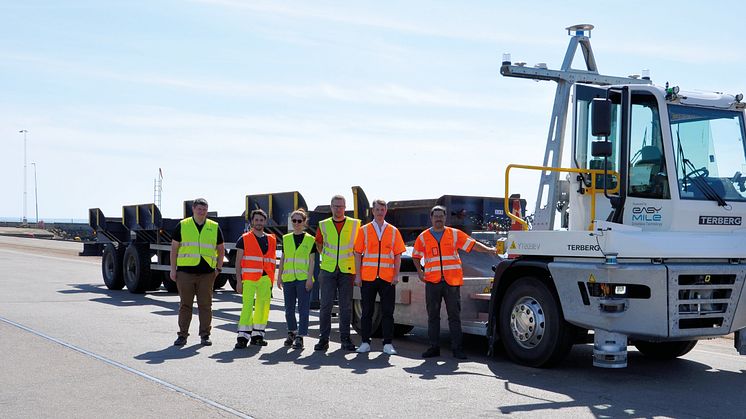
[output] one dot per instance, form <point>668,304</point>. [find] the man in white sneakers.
<point>378,250</point>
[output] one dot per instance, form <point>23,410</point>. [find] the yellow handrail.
<point>592,189</point>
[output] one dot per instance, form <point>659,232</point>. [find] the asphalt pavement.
<point>69,347</point>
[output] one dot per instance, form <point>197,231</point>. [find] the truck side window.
<point>647,164</point>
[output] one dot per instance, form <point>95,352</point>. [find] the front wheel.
<point>664,350</point>
<point>533,330</point>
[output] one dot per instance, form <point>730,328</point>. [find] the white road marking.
<point>132,370</point>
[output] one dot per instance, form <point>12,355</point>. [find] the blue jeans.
<point>296,290</point>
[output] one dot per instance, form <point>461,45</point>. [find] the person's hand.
<point>217,272</point>
<point>421,275</point>
<point>358,281</point>
<point>172,275</point>
<point>279,284</point>
<point>239,286</point>
<point>395,280</point>
<point>309,284</point>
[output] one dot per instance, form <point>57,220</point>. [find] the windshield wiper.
<point>697,177</point>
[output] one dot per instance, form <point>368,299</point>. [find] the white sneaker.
<point>364,347</point>
<point>389,349</point>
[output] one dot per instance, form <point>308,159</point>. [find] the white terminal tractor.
<point>650,246</point>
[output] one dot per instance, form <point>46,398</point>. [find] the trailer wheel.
<point>111,267</point>
<point>169,284</point>
<point>664,350</point>
<point>532,328</point>
<point>357,319</point>
<point>220,281</point>
<point>137,268</point>
<point>402,329</point>
<point>232,277</point>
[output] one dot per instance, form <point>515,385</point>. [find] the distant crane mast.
<point>158,188</point>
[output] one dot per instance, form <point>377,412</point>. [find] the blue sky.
<point>236,97</point>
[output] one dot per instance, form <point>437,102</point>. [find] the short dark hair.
<point>380,202</point>
<point>258,211</point>
<point>199,201</point>
<point>438,208</point>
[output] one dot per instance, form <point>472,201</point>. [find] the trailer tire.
<point>136,268</point>
<point>402,329</point>
<point>220,281</point>
<point>533,330</point>
<point>232,277</point>
<point>357,321</point>
<point>168,283</point>
<point>664,350</point>
<point>111,267</point>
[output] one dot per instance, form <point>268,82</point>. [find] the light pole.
<point>36,195</point>
<point>24,132</point>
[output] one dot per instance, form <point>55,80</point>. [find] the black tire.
<point>664,350</point>
<point>220,281</point>
<point>136,267</point>
<point>357,323</point>
<point>533,330</point>
<point>111,267</point>
<point>232,277</point>
<point>402,329</point>
<point>168,284</point>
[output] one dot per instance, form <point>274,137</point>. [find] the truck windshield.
<point>709,149</point>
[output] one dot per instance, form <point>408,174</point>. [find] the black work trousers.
<point>387,293</point>
<point>434,294</point>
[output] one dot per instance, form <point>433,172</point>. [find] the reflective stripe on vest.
<point>375,262</point>
<point>295,261</point>
<point>445,263</point>
<point>253,262</point>
<point>337,249</point>
<point>198,244</point>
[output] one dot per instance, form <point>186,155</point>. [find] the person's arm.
<point>311,266</point>
<point>239,281</point>
<point>319,240</point>
<point>481,248</point>
<point>221,256</point>
<point>172,258</point>
<point>282,267</point>
<point>397,266</point>
<point>358,261</point>
<point>417,265</point>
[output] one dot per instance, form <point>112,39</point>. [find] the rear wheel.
<point>136,268</point>
<point>532,328</point>
<point>111,267</point>
<point>357,319</point>
<point>220,281</point>
<point>664,350</point>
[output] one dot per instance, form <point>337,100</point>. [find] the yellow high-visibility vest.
<point>295,265</point>
<point>197,244</point>
<point>338,248</point>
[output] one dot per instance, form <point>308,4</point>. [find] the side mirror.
<point>601,117</point>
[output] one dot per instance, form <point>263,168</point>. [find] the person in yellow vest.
<point>335,239</point>
<point>255,267</point>
<point>443,277</point>
<point>197,252</point>
<point>378,250</point>
<point>296,274</point>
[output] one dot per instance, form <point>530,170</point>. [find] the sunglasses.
<point>296,221</point>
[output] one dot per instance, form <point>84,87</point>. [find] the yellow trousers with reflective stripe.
<point>255,311</point>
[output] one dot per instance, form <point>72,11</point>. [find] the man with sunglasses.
<point>335,239</point>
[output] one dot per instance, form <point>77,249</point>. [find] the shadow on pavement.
<point>169,353</point>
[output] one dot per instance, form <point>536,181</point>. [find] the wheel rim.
<point>527,322</point>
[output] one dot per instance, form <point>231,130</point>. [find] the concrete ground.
<point>69,347</point>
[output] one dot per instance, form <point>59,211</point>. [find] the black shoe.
<point>180,341</point>
<point>347,345</point>
<point>289,340</point>
<point>298,343</point>
<point>322,345</point>
<point>431,352</point>
<point>258,341</point>
<point>205,341</point>
<point>459,354</point>
<point>241,343</point>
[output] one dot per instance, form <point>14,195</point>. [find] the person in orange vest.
<point>438,246</point>
<point>255,271</point>
<point>378,250</point>
<point>335,239</point>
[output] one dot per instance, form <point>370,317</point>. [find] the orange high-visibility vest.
<point>442,259</point>
<point>254,263</point>
<point>378,255</point>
